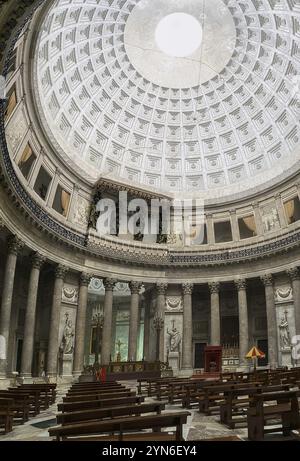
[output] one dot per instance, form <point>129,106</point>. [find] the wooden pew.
<point>96,391</point>
<point>236,402</point>
<point>285,411</point>
<point>46,389</point>
<point>20,406</point>
<point>103,403</point>
<point>96,430</point>
<point>35,398</point>
<point>6,414</point>
<point>110,412</point>
<point>98,396</point>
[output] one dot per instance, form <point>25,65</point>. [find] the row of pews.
<point>110,411</point>
<point>18,404</point>
<point>256,400</point>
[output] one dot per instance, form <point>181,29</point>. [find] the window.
<point>223,231</point>
<point>26,161</point>
<point>61,201</point>
<point>42,183</point>
<point>11,65</point>
<point>292,210</point>
<point>11,102</point>
<point>247,227</point>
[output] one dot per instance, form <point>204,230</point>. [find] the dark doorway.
<point>19,354</point>
<point>262,344</point>
<point>199,355</point>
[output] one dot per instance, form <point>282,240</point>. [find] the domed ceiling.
<point>217,119</point>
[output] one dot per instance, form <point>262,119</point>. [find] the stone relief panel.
<point>173,329</point>
<point>270,218</point>
<point>285,317</point>
<point>283,294</point>
<point>174,304</point>
<point>16,130</point>
<point>81,211</point>
<point>69,294</point>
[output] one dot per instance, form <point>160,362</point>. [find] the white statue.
<point>285,338</point>
<point>68,335</point>
<point>174,338</point>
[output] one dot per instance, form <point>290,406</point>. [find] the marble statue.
<point>285,338</point>
<point>174,338</point>
<point>68,335</point>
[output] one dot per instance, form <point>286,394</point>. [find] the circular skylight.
<point>178,35</point>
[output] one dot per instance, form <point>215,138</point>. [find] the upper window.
<point>61,201</point>
<point>26,161</point>
<point>292,210</point>
<point>42,183</point>
<point>247,227</point>
<point>223,232</point>
<point>11,102</point>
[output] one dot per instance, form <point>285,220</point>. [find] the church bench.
<point>20,406</point>
<point>6,414</point>
<point>47,389</point>
<point>236,402</point>
<point>104,403</point>
<point>110,384</point>
<point>36,399</point>
<point>96,390</point>
<point>284,412</point>
<point>110,412</point>
<point>98,396</point>
<point>155,382</point>
<point>210,397</point>
<point>191,392</point>
<point>105,430</point>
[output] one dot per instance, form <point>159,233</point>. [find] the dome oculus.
<point>178,35</point>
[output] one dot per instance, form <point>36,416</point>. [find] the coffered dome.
<point>218,121</point>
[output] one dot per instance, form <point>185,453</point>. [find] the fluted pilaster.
<point>241,286</point>
<point>78,363</point>
<point>187,347</point>
<point>295,281</point>
<point>107,324</point>
<point>161,289</point>
<point>135,288</point>
<point>215,338</point>
<point>267,280</point>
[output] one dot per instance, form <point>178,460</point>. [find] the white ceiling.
<point>221,122</point>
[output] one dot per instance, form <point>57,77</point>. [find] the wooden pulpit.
<point>213,359</point>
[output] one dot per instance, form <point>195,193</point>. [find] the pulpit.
<point>213,359</point>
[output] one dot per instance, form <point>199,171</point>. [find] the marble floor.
<point>199,427</point>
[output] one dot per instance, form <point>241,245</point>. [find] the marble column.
<point>146,352</point>
<point>30,316</point>
<point>107,324</point>
<point>241,286</point>
<point>133,322</point>
<point>187,341</point>
<point>280,210</point>
<point>14,247</point>
<point>161,289</point>
<point>80,326</point>
<point>271,320</point>
<point>215,335</point>
<point>258,220</point>
<point>234,226</point>
<point>53,345</point>
<point>295,280</point>
<point>210,229</point>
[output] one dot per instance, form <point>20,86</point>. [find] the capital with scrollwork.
<point>61,271</point>
<point>267,280</point>
<point>241,284</point>
<point>161,288</point>
<point>135,287</point>
<point>85,279</point>
<point>37,260</point>
<point>187,288</point>
<point>214,287</point>
<point>109,284</point>
<point>15,245</point>
<point>293,273</point>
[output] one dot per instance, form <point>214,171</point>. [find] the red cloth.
<point>103,374</point>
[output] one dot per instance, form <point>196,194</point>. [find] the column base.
<point>5,383</point>
<point>25,379</point>
<point>185,372</point>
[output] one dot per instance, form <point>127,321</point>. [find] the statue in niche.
<point>174,338</point>
<point>68,335</point>
<point>285,337</point>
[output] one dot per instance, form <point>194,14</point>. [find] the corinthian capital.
<point>85,279</point>
<point>241,284</point>
<point>187,288</point>
<point>15,245</point>
<point>293,273</point>
<point>109,284</point>
<point>61,271</point>
<point>37,260</point>
<point>135,287</point>
<point>214,287</point>
<point>161,288</point>
<point>267,280</point>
